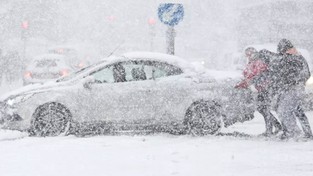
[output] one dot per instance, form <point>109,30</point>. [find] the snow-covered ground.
<point>160,154</point>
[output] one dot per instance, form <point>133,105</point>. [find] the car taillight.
<point>64,72</point>
<point>28,74</point>
<point>81,65</point>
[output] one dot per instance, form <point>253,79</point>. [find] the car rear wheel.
<point>203,118</point>
<point>50,119</point>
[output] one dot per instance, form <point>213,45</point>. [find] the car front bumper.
<point>11,120</point>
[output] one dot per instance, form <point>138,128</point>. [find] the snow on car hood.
<point>33,88</point>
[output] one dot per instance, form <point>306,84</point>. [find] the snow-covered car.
<point>76,56</point>
<point>44,68</point>
<point>138,91</point>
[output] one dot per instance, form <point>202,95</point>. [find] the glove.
<point>242,84</point>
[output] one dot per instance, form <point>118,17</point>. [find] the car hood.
<point>34,88</point>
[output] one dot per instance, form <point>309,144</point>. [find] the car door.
<point>171,91</point>
<point>118,93</point>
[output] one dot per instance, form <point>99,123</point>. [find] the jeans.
<point>264,108</point>
<point>288,107</point>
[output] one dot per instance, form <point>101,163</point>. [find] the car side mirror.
<point>88,81</point>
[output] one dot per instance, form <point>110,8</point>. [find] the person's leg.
<point>288,103</point>
<point>264,108</point>
<point>266,114</point>
<point>276,124</point>
<point>304,122</point>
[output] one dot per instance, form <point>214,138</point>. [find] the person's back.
<point>293,73</point>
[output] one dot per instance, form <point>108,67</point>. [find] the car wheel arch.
<point>214,111</point>
<point>50,109</point>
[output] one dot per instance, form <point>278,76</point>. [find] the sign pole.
<point>170,40</point>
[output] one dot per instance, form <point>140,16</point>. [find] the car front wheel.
<point>50,119</point>
<point>203,118</point>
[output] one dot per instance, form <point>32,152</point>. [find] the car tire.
<point>203,118</point>
<point>50,119</point>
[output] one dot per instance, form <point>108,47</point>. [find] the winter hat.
<point>283,46</point>
<point>251,53</point>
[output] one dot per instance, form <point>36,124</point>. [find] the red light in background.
<point>81,65</point>
<point>111,18</point>
<point>151,21</point>
<point>60,51</point>
<point>25,24</point>
<point>64,72</point>
<point>28,74</point>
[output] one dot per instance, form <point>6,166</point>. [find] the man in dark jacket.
<point>256,73</point>
<point>293,73</point>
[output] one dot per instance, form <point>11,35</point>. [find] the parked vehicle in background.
<point>149,92</point>
<point>77,58</point>
<point>44,68</point>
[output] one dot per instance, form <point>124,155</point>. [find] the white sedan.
<point>138,92</point>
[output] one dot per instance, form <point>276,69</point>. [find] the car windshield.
<point>46,63</point>
<point>74,74</point>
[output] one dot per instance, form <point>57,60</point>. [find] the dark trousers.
<point>264,108</point>
<point>303,119</point>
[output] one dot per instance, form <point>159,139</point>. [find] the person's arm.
<point>243,84</point>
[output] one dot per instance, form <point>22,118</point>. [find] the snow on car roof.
<point>175,60</point>
<point>159,57</point>
<point>150,55</point>
<point>186,65</point>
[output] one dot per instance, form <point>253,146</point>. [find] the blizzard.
<point>212,34</point>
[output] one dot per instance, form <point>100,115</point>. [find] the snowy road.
<point>160,155</point>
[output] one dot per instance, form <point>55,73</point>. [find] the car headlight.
<point>11,101</point>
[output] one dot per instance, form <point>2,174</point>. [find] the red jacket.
<point>253,69</point>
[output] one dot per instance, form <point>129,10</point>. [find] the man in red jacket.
<point>256,73</point>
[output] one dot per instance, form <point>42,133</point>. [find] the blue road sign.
<point>170,13</point>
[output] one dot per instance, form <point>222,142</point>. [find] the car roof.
<point>154,56</point>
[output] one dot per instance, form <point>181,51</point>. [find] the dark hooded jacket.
<point>291,70</point>
<point>294,71</point>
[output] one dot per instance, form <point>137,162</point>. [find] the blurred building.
<point>269,21</point>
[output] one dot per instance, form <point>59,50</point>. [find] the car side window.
<point>135,71</point>
<point>162,69</point>
<point>104,75</point>
<point>138,70</point>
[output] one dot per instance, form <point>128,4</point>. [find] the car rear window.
<point>46,63</point>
